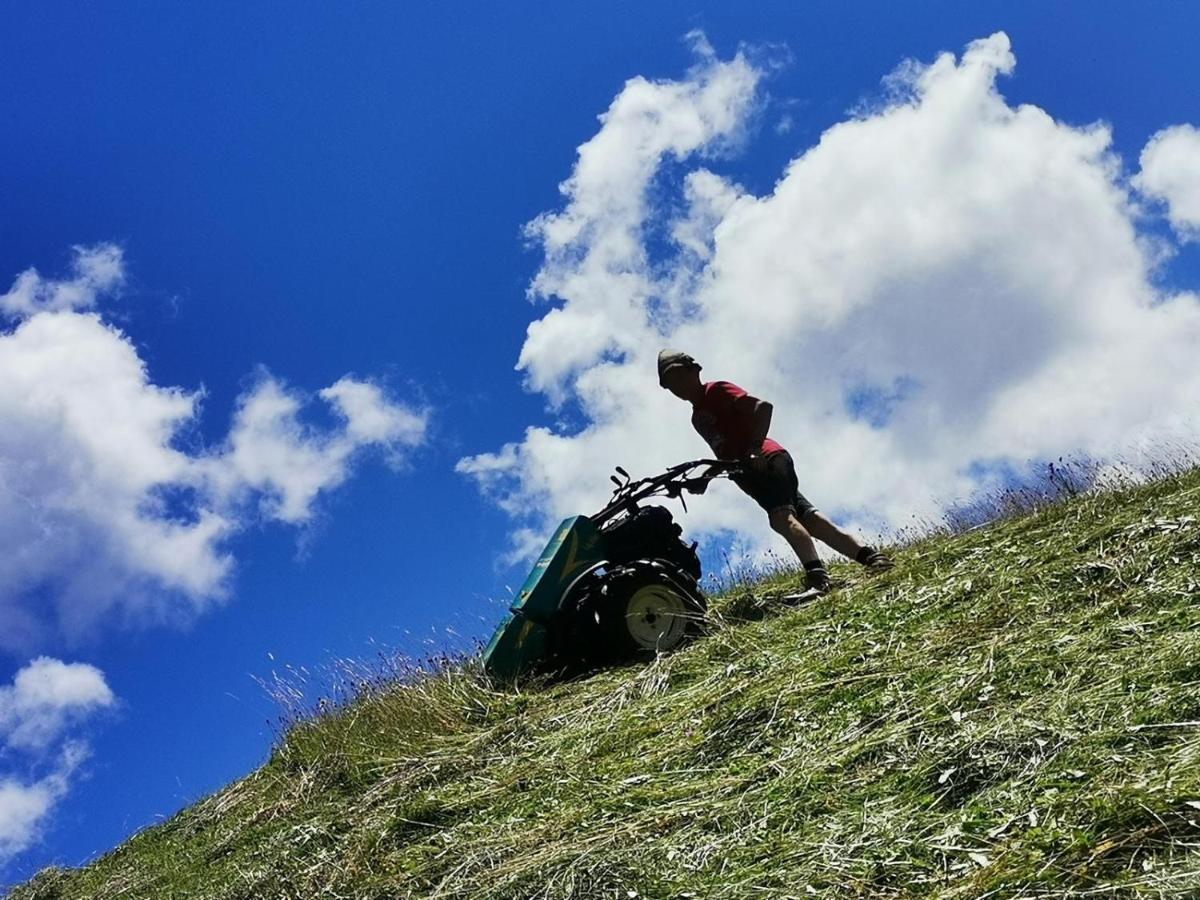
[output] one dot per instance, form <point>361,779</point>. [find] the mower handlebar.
<point>669,482</point>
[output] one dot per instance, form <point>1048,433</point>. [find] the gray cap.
<point>673,359</point>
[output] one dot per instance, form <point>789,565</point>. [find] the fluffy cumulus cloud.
<point>1171,173</point>
<point>595,257</point>
<point>944,287</point>
<point>101,512</point>
<point>41,714</point>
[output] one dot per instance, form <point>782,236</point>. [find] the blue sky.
<point>318,192</point>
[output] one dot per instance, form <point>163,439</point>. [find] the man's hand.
<point>752,461</point>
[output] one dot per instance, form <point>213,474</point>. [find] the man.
<point>735,424</point>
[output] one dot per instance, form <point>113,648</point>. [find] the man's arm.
<point>762,424</point>
<point>759,412</point>
<point>729,399</point>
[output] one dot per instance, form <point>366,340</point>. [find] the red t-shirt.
<point>725,419</point>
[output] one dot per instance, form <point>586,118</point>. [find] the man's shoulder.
<point>722,388</point>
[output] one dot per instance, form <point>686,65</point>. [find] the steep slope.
<point>1012,710</point>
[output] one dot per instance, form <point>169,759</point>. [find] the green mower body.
<point>524,636</point>
<point>609,586</point>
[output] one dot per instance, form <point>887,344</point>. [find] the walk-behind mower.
<point>609,587</point>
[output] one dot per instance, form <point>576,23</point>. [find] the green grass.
<point>1013,711</point>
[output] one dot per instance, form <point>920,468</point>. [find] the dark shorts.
<point>772,483</point>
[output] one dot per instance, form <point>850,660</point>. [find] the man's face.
<point>681,381</point>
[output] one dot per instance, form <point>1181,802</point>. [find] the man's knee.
<point>784,520</point>
<point>814,521</point>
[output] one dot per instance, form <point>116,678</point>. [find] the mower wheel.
<point>635,610</point>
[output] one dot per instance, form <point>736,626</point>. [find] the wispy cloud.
<point>272,457</point>
<point>95,271</point>
<point>41,716</point>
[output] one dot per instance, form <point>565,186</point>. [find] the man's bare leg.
<point>843,542</point>
<point>785,522</point>
<point>824,530</point>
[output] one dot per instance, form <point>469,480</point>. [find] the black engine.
<point>650,532</point>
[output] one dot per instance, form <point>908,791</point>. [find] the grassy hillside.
<point>1013,711</point>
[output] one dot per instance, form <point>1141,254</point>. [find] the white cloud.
<point>100,511</point>
<point>1171,172</point>
<point>24,807</point>
<point>270,452</point>
<point>370,418</point>
<point>47,699</point>
<point>594,246</point>
<point>94,271</point>
<point>942,284</point>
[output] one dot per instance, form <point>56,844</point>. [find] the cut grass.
<point>1012,711</point>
